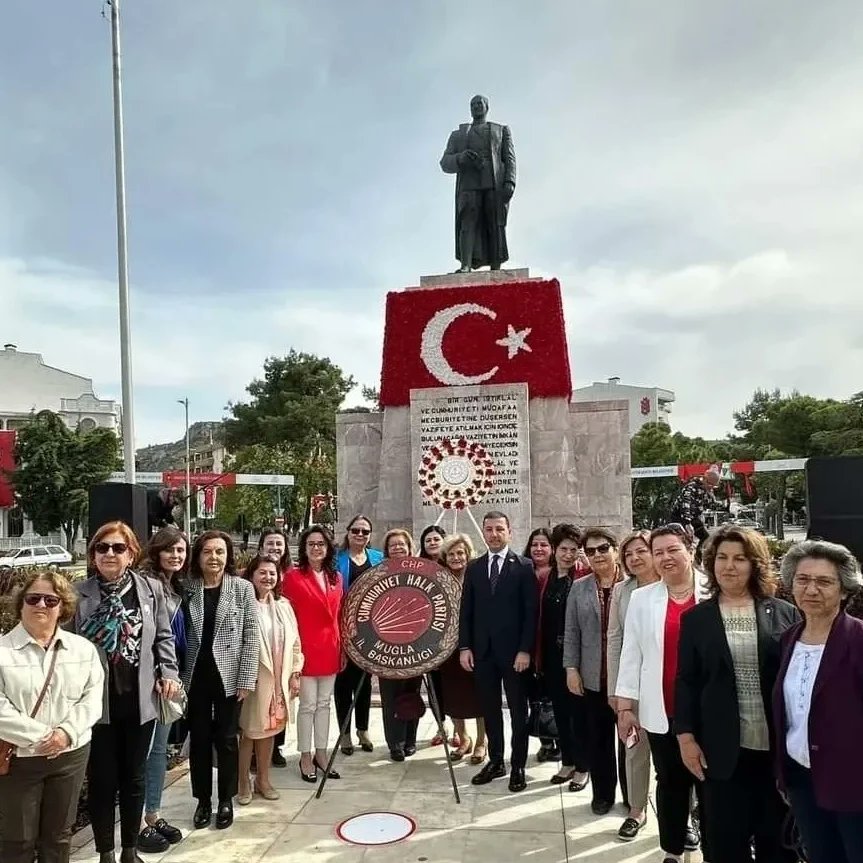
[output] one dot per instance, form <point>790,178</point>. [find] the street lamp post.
<point>188,510</point>
<point>128,418</point>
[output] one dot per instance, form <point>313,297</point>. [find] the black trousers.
<point>399,733</point>
<point>569,718</point>
<point>674,784</point>
<point>601,741</point>
<point>828,837</point>
<point>213,722</point>
<point>347,682</point>
<point>118,756</point>
<point>745,807</point>
<point>489,677</point>
<point>38,806</point>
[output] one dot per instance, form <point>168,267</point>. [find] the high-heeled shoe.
<point>365,741</point>
<point>333,774</point>
<point>308,777</point>
<point>268,793</point>
<point>461,750</point>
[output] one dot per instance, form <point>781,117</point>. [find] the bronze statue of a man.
<point>482,156</point>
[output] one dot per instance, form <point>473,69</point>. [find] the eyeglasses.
<point>590,551</point>
<point>360,531</point>
<point>50,600</point>
<point>806,581</point>
<point>116,547</point>
<point>316,545</point>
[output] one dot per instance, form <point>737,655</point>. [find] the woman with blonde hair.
<point>459,686</point>
<point>265,713</point>
<point>50,699</point>
<point>638,566</point>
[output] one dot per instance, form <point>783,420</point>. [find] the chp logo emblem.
<point>400,619</point>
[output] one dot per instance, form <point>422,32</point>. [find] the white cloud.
<point>690,173</point>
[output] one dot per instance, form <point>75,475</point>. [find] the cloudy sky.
<point>691,172</point>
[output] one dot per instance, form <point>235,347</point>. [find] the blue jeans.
<point>156,768</point>
<point>829,837</point>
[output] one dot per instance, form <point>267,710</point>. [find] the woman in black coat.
<point>728,661</point>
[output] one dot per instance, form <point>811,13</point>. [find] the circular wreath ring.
<point>456,474</point>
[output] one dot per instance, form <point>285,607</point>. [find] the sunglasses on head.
<point>360,531</point>
<point>116,547</point>
<point>590,551</point>
<point>49,599</point>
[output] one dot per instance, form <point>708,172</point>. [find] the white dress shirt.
<point>797,692</point>
<point>501,557</point>
<point>72,702</point>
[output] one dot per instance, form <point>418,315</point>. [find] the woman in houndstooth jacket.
<point>222,647</point>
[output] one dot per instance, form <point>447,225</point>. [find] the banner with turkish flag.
<point>511,332</point>
<point>7,463</point>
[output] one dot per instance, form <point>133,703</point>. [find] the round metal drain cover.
<point>376,828</point>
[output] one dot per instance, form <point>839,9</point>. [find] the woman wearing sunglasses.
<point>585,658</point>
<point>355,557</point>
<point>126,616</point>
<point>39,795</point>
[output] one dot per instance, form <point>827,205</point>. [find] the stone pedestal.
<point>571,461</point>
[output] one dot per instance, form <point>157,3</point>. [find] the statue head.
<point>478,107</point>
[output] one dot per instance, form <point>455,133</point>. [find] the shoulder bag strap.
<point>48,677</point>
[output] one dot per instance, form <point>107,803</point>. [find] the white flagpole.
<point>128,420</point>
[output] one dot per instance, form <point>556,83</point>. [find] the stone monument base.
<point>577,469</point>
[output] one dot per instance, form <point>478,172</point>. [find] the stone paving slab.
<point>544,824</point>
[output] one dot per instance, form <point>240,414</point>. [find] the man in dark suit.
<point>497,629</point>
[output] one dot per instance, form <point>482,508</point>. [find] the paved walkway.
<point>544,824</point>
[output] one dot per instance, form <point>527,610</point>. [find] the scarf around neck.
<point>112,626</point>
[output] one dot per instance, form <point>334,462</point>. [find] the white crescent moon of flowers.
<point>431,349</point>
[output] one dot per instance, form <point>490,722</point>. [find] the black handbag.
<point>541,722</point>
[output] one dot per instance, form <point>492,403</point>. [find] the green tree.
<point>293,409</point>
<point>654,444</point>
<point>56,468</point>
<point>255,506</point>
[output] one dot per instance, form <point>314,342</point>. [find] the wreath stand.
<point>346,724</point>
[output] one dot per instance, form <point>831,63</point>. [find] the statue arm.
<point>507,156</point>
<point>449,160</point>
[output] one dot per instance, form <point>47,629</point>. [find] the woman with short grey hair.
<point>818,703</point>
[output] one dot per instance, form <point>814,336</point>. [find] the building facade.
<point>646,404</point>
<point>27,386</point>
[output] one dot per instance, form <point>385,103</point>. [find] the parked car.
<point>37,555</point>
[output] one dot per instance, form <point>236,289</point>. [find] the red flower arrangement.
<point>506,333</point>
<point>456,475</point>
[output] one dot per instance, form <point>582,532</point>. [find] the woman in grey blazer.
<point>585,659</point>
<point>125,615</point>
<point>221,669</point>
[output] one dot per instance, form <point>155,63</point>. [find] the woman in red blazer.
<point>314,589</point>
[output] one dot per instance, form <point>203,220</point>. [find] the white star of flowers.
<point>515,341</point>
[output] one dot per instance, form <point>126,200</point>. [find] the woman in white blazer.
<point>646,678</point>
<point>266,711</point>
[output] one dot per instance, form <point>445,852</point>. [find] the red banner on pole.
<point>7,463</point>
<point>177,478</point>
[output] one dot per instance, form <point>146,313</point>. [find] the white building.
<point>646,404</point>
<point>27,385</point>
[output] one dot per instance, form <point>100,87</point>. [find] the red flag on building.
<point>7,463</point>
<point>496,334</point>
